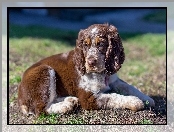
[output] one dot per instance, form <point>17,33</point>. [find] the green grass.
<point>49,119</point>
<point>155,43</point>
<point>36,47</point>
<point>136,68</point>
<point>54,119</point>
<point>146,121</point>
<point>16,71</point>
<point>15,79</point>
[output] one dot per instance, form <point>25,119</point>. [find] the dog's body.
<point>82,76</point>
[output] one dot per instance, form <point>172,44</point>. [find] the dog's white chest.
<point>93,82</point>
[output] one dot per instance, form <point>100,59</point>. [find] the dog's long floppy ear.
<point>115,53</point>
<point>79,58</point>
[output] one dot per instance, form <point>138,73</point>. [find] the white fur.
<point>92,52</point>
<point>94,30</point>
<point>52,87</point>
<point>24,109</point>
<point>64,106</point>
<point>93,82</point>
<point>96,83</point>
<point>65,55</point>
<point>114,101</point>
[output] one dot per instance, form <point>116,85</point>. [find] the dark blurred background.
<point>143,20</point>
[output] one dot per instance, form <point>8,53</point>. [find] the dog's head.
<point>99,48</point>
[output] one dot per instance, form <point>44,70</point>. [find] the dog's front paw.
<point>65,106</point>
<point>73,100</point>
<point>134,103</point>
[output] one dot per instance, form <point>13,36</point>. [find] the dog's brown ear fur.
<point>115,53</point>
<point>79,58</point>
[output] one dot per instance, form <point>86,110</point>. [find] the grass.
<point>55,119</point>
<point>49,119</point>
<point>15,79</point>
<point>145,54</point>
<point>156,43</point>
<point>146,121</point>
<point>28,46</point>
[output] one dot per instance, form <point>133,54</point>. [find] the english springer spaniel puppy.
<point>83,76</point>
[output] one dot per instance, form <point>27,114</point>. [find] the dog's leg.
<point>124,88</point>
<point>34,89</point>
<point>37,93</point>
<point>59,104</point>
<point>114,101</point>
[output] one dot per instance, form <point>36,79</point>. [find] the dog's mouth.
<point>95,69</point>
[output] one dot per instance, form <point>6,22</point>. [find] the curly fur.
<point>115,48</point>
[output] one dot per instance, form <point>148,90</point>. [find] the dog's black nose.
<point>92,62</point>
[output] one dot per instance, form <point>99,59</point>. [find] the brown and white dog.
<point>82,76</point>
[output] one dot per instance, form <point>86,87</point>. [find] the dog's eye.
<point>101,44</point>
<point>86,45</point>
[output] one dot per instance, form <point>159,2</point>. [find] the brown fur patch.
<point>87,100</point>
<point>33,92</point>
